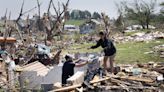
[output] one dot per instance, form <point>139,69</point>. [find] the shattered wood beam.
<point>69,88</point>
<point>134,78</point>
<point>119,81</point>
<point>132,87</point>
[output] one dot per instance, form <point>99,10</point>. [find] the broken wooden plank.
<point>7,40</point>
<point>160,70</point>
<point>79,85</point>
<point>69,88</point>
<point>119,81</point>
<point>135,78</point>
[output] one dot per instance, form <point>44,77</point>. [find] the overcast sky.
<point>107,6</point>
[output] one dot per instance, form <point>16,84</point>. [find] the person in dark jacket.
<point>68,68</point>
<point>108,48</point>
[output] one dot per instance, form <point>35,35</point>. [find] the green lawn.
<point>126,52</point>
<point>75,22</point>
<point>132,52</point>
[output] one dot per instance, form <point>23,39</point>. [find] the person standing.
<point>109,50</point>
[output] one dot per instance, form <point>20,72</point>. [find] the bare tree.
<point>54,27</point>
<point>140,10</point>
<point>119,23</point>
<point>106,23</point>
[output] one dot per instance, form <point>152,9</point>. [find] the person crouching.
<point>68,68</point>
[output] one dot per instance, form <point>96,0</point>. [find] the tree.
<point>106,19</point>
<point>78,14</point>
<point>119,22</point>
<point>54,27</point>
<point>139,10</point>
<point>82,14</point>
<point>162,9</point>
<point>87,14</point>
<point>67,15</point>
<point>75,14</point>
<point>96,15</point>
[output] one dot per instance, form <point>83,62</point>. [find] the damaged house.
<point>90,26</point>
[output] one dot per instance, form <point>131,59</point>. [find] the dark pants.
<point>90,74</point>
<point>64,79</point>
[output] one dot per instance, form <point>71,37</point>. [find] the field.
<point>75,22</point>
<point>129,52</point>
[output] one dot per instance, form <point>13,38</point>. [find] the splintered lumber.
<point>160,70</point>
<point>79,85</point>
<point>8,39</point>
<point>96,81</point>
<point>69,88</point>
<point>120,82</point>
<point>140,79</point>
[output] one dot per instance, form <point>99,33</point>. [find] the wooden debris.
<point>79,85</point>
<point>140,79</point>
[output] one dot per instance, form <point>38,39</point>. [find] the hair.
<point>67,57</point>
<point>101,33</point>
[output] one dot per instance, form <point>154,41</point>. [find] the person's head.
<point>67,57</point>
<point>102,35</point>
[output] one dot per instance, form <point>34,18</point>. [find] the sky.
<point>107,6</point>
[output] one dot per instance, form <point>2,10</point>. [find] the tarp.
<point>43,49</point>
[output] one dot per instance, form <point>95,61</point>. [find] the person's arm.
<point>97,45</point>
<point>81,64</point>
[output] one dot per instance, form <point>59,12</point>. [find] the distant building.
<point>89,26</point>
<point>71,28</point>
<point>137,27</point>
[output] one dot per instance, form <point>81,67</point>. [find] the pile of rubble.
<point>159,50</point>
<point>128,78</point>
<point>141,37</point>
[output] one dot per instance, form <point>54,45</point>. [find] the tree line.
<point>80,14</point>
<point>140,12</point>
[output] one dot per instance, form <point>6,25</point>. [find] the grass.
<point>75,22</point>
<point>129,52</point>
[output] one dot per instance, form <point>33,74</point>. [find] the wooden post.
<point>20,79</point>
<point>21,83</point>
